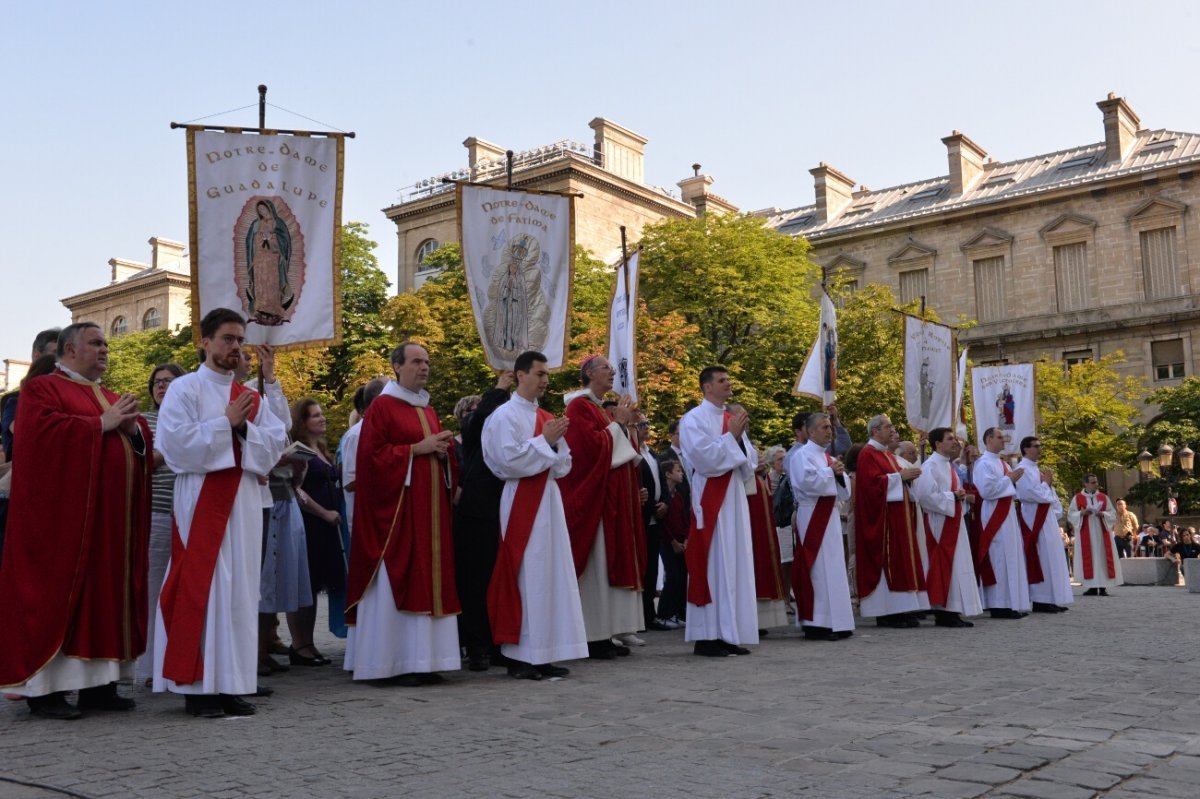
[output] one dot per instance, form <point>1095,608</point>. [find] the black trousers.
<point>673,601</point>
<point>650,577</point>
<point>476,541</point>
<point>1123,548</point>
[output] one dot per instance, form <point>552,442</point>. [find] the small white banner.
<point>928,374</point>
<point>518,250</point>
<point>266,233</point>
<point>818,378</point>
<point>622,339</point>
<point>1004,397</point>
<point>959,419</point>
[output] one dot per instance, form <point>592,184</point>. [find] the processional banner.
<point>818,378</point>
<point>622,329</point>
<point>1004,397</point>
<point>518,251</point>
<point>928,374</point>
<point>959,415</point>
<point>265,233</point>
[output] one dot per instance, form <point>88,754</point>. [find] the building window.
<point>1071,358</point>
<point>424,251</point>
<point>913,284</point>
<point>1167,357</point>
<point>1070,270</point>
<point>151,320</point>
<point>989,289</point>
<point>120,325</point>
<point>1159,268</point>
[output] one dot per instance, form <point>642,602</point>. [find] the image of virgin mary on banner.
<point>1004,397</point>
<point>518,252</point>
<point>265,232</point>
<point>928,374</point>
<point>818,377</point>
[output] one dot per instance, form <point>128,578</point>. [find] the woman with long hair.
<point>320,499</point>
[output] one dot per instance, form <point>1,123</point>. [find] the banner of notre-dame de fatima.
<point>266,216</point>
<point>518,252</point>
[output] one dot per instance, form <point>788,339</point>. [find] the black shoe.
<point>550,670</point>
<point>273,666</point>
<point>819,634</point>
<point>844,633</point>
<point>235,705</point>
<point>911,619</point>
<point>1044,607</point>
<point>430,678</point>
<point>53,706</point>
<point>205,706</point>
<point>945,618</point>
<point>896,621</point>
<point>710,649</point>
<point>602,650</point>
<point>478,662</point>
<point>1062,608</point>
<point>1004,613</point>
<point>406,680</point>
<point>296,659</point>
<point>263,692</point>
<point>1103,592</point>
<point>657,626</point>
<point>1091,592</point>
<point>103,697</point>
<point>620,650</point>
<point>523,671</point>
<point>734,649</point>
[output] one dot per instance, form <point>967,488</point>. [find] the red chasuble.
<point>406,527</point>
<point>768,571</point>
<point>75,564</point>
<point>595,492</point>
<point>1084,539</point>
<point>886,532</point>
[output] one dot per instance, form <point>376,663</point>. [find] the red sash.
<point>1084,541</point>
<point>1033,563</point>
<point>941,553</point>
<point>700,539</point>
<point>184,598</point>
<point>504,593</point>
<point>806,555</point>
<point>994,522</point>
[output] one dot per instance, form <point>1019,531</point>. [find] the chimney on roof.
<point>479,150</point>
<point>1120,127</point>
<point>165,253</point>
<point>619,150</point>
<point>695,191</point>
<point>834,191</point>
<point>966,162</point>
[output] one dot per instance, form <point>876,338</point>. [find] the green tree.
<point>131,356</point>
<point>1177,423</point>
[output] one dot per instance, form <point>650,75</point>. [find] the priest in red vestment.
<point>601,497</point>
<point>891,577</point>
<point>73,584</point>
<point>401,600</point>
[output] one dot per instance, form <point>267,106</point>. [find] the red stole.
<point>700,538</point>
<point>941,553</point>
<point>1084,539</point>
<point>504,594</point>
<point>1033,563</point>
<point>983,565</point>
<point>185,592</point>
<point>805,555</point>
<point>768,571</point>
<point>886,531</point>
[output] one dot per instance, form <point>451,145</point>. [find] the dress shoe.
<point>621,650</point>
<point>1103,591</point>
<point>1062,608</point>
<point>763,633</point>
<point>523,671</point>
<point>658,626</point>
<point>945,618</point>
<point>430,678</point>
<point>406,680</point>
<point>296,659</point>
<point>53,706</point>
<point>550,670</point>
<point>204,706</point>
<point>235,705</point>
<point>1004,613</point>
<point>263,670</point>
<point>103,697</point>
<point>1044,607</point>
<point>602,650</point>
<point>1091,592</point>
<point>844,633</point>
<point>818,634</point>
<point>478,661</point>
<point>710,649</point>
<point>734,649</point>
<point>894,620</point>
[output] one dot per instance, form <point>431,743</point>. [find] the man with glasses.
<point>219,438</point>
<point>1049,578</point>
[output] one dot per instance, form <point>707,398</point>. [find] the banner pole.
<point>508,165</point>
<point>262,107</point>
<point>624,260</point>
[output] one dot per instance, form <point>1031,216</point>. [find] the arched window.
<point>151,319</point>
<point>120,325</point>
<point>424,251</point>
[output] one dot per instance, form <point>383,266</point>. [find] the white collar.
<point>72,373</point>
<point>712,407</point>
<point>582,392</point>
<point>209,373</point>
<point>519,400</point>
<point>397,391</point>
<point>873,443</point>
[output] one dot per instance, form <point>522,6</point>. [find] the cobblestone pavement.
<point>1100,701</point>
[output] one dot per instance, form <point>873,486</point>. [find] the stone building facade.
<point>609,173</point>
<point>140,296</point>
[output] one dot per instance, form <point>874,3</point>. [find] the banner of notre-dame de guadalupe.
<point>266,232</point>
<point>1004,397</point>
<point>518,252</point>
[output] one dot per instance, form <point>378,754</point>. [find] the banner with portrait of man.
<point>266,215</point>
<point>1004,396</point>
<point>518,252</point>
<point>928,374</point>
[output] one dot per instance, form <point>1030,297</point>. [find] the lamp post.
<point>1145,459</point>
<point>1166,458</point>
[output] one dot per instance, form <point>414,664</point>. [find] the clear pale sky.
<point>757,92</point>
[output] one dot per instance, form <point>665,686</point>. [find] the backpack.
<point>783,503</point>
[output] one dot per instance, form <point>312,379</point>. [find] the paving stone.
<point>1043,789</point>
<point>950,789</point>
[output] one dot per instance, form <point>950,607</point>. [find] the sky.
<point>757,92</point>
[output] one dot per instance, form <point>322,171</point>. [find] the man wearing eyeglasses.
<point>219,437</point>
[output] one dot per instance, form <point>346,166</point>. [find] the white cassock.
<point>1103,545</point>
<point>934,492</point>
<point>551,615</point>
<point>1007,552</point>
<point>195,438</point>
<point>812,477</point>
<point>732,615</point>
<point>1055,589</point>
<point>349,469</point>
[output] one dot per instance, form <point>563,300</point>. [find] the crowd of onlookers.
<point>1145,540</point>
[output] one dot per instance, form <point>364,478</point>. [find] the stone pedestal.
<point>1150,571</point>
<point>1191,575</point>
